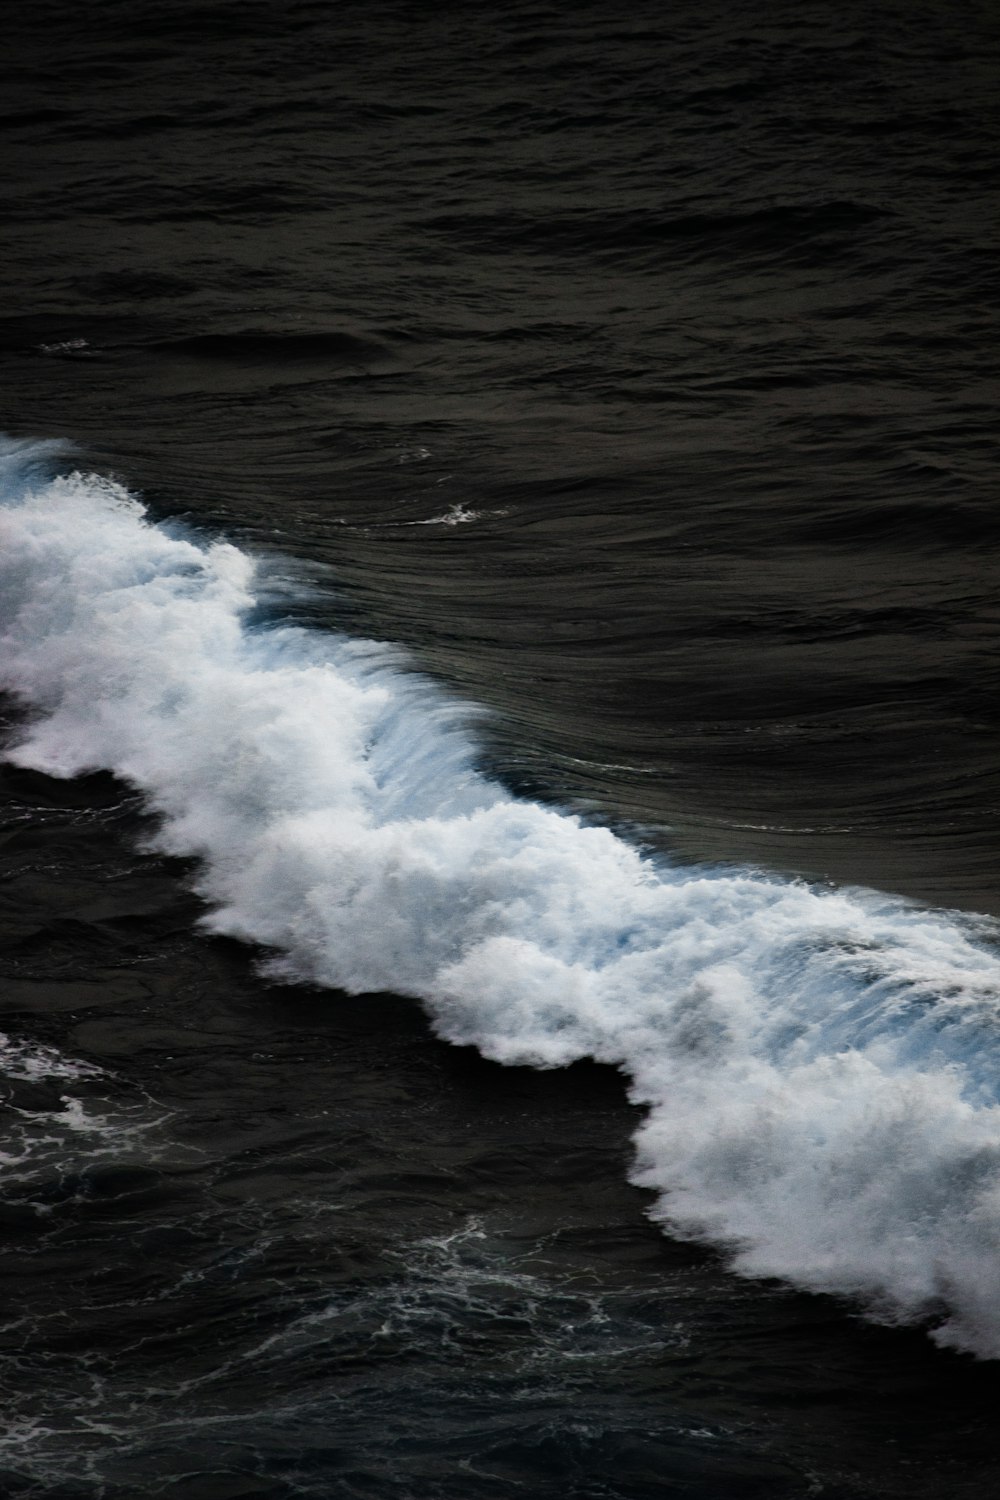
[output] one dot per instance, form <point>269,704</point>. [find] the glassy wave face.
<point>818,1066</point>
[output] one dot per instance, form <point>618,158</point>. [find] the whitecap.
<point>818,1067</point>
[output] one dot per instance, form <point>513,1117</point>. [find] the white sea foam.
<point>33,1062</point>
<point>819,1067</point>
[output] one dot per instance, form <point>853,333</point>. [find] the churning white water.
<point>819,1067</point>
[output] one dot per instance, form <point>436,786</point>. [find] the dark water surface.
<point>637,369</point>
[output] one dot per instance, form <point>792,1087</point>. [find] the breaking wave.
<point>818,1067</point>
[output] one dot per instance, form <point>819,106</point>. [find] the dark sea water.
<point>551,1052</point>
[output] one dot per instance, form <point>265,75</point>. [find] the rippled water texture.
<point>636,371</point>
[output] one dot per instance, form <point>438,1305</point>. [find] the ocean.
<point>500,799</point>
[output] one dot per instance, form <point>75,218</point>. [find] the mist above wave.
<point>819,1067</point>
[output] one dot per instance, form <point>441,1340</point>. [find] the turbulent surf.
<point>818,1066</point>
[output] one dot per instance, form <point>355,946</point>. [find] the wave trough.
<point>818,1067</point>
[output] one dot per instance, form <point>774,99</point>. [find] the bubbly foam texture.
<point>33,1062</point>
<point>64,1125</point>
<point>819,1067</point>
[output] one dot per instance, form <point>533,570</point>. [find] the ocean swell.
<point>818,1067</point>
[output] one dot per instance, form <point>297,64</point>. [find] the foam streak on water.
<point>819,1067</point>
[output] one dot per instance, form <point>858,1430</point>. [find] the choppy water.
<point>631,378</point>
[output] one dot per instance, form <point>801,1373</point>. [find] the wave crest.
<point>818,1067</point>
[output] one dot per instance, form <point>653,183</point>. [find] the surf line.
<point>818,1068</point>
